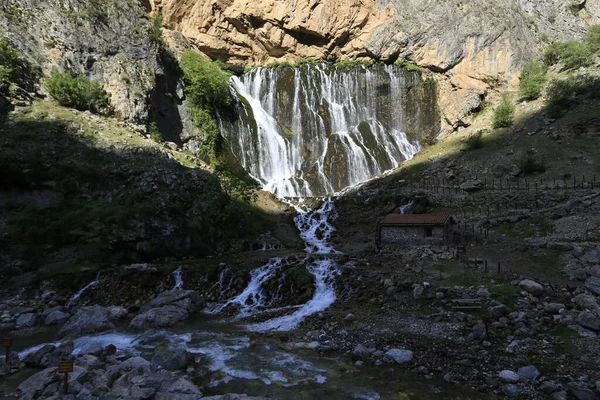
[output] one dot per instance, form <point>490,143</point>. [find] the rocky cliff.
<point>473,47</point>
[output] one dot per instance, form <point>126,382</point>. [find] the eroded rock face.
<point>167,309</point>
<point>476,47</point>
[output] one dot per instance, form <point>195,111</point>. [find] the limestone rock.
<point>509,376</point>
<point>26,320</point>
<point>528,373</point>
<point>167,309</point>
<point>173,358</point>
<point>531,287</point>
<point>593,284</point>
<point>399,356</point>
<point>589,320</point>
<point>87,320</point>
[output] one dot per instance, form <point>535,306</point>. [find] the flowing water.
<point>316,129</point>
<point>304,131</point>
<point>77,295</point>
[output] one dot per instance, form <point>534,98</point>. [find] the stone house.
<point>416,229</point>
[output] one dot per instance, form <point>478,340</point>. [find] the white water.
<point>178,280</point>
<point>404,208</point>
<point>313,130</point>
<point>315,230</point>
<point>77,295</point>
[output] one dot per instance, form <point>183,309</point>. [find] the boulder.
<point>87,320</point>
<point>553,308</point>
<point>528,373</point>
<point>34,386</point>
<point>593,285</point>
<point>116,313</point>
<point>592,256</point>
<point>183,386</point>
<point>580,391</point>
<point>360,352</point>
<point>509,376</point>
<point>398,356</point>
<point>26,320</point>
<point>167,309</point>
<point>587,301</point>
<point>549,387</point>
<point>61,353</point>
<point>531,287</point>
<point>589,320</point>
<point>34,358</point>
<point>498,311</point>
<point>56,317</point>
<point>583,332</point>
<point>510,390</point>
<point>173,358</point>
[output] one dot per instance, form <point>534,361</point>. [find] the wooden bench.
<point>466,303</point>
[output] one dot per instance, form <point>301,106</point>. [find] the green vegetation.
<point>9,62</point>
<point>155,31</point>
<point>76,91</point>
<point>208,91</point>
<point>575,54</point>
<point>561,93</point>
<point>504,114</point>
<point>408,66</point>
<point>154,132</point>
<point>475,141</point>
<point>533,80</point>
<point>350,63</point>
<point>530,163</point>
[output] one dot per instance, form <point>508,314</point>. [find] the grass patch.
<point>525,229</point>
<point>564,337</point>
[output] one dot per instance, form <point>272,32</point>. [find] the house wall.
<point>408,235</point>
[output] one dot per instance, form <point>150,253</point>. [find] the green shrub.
<point>593,38</point>
<point>76,91</point>
<point>475,141</point>
<point>504,113</point>
<point>561,94</point>
<point>576,55</point>
<point>533,79</point>
<point>206,82</point>
<point>154,132</point>
<point>155,31</point>
<point>212,146</point>
<point>529,163</point>
<point>553,53</point>
<point>9,62</point>
<point>408,66</point>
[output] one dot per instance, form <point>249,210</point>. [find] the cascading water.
<point>315,230</point>
<point>77,295</point>
<point>315,129</point>
<point>177,277</point>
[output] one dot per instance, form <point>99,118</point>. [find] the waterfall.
<point>404,208</point>
<point>76,296</point>
<point>315,129</point>
<point>177,277</point>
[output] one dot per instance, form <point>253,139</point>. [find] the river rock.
<point>398,356</point>
<point>167,309</point>
<point>592,256</point>
<point>532,287</point>
<point>183,386</point>
<point>34,358</point>
<point>56,317</point>
<point>553,308</point>
<point>589,320</point>
<point>35,384</point>
<point>580,391</point>
<point>60,353</point>
<point>587,301</point>
<point>509,376</point>
<point>593,285</point>
<point>116,313</point>
<point>26,320</point>
<point>583,332</point>
<point>87,320</point>
<point>498,311</point>
<point>510,390</point>
<point>549,387</point>
<point>360,352</point>
<point>528,373</point>
<point>173,358</point>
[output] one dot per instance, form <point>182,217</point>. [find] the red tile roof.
<point>416,219</point>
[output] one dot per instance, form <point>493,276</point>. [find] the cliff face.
<point>473,47</point>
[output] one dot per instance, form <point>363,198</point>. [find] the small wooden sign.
<point>64,367</point>
<point>6,342</point>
